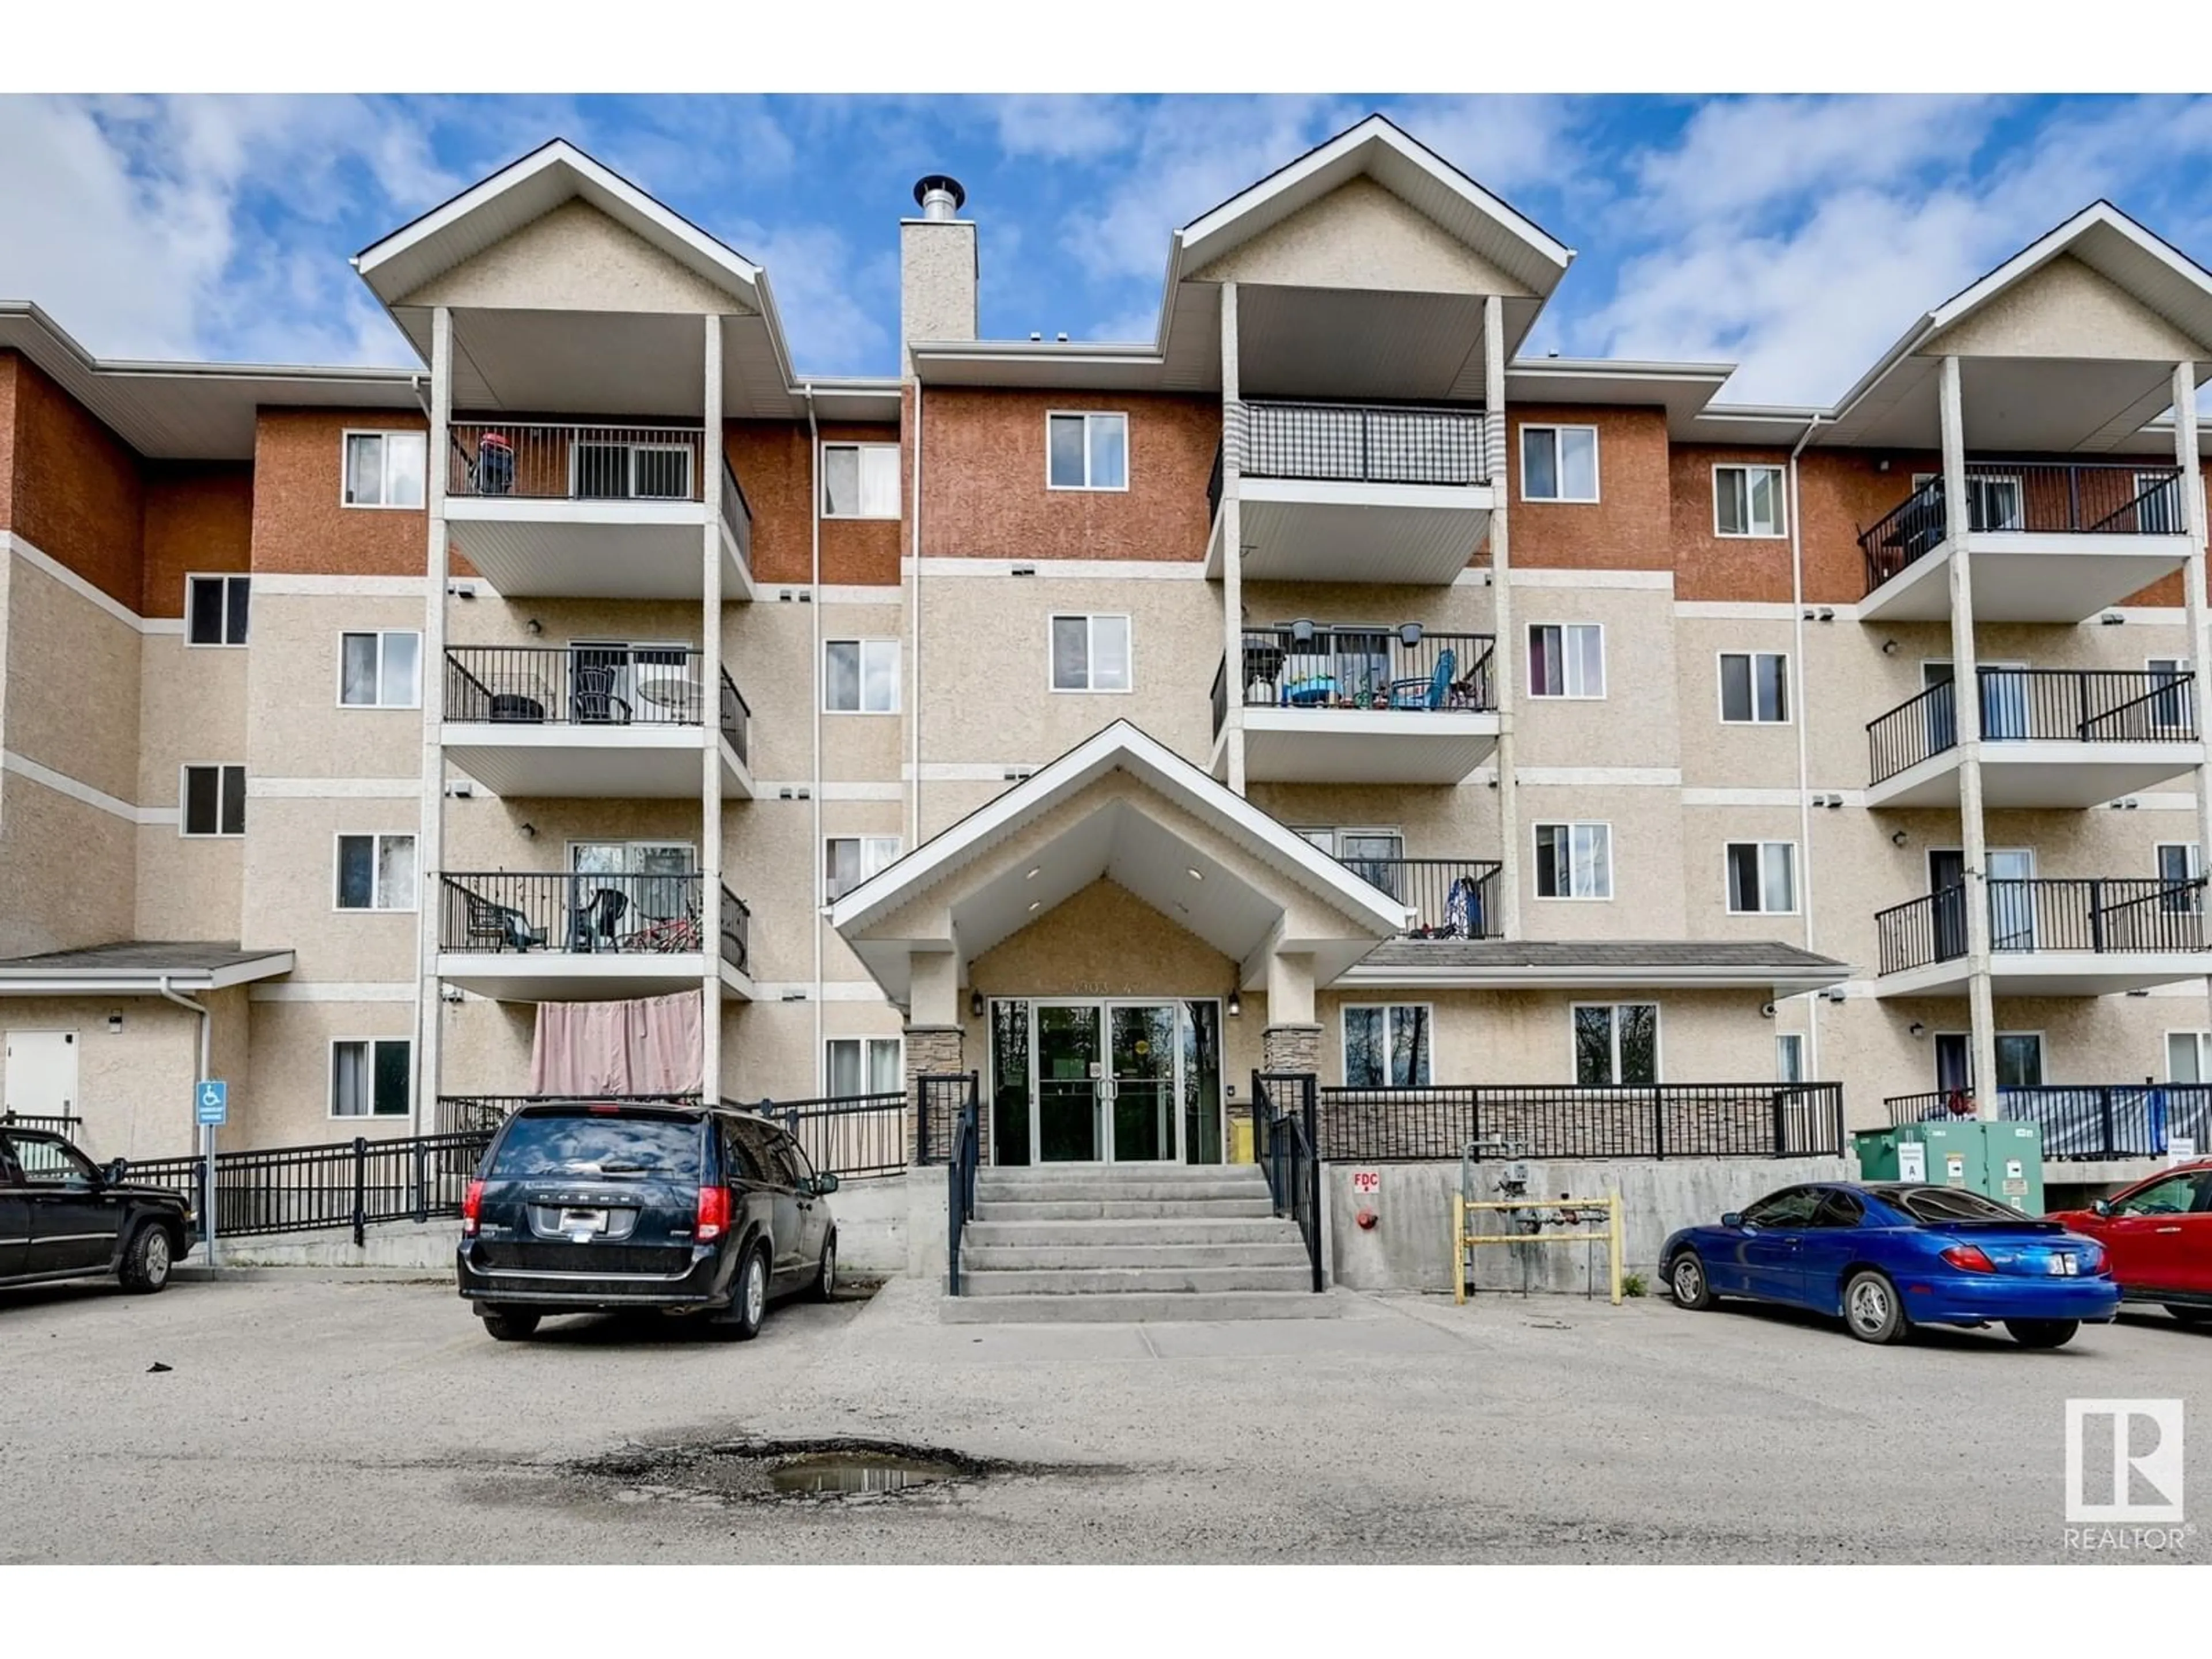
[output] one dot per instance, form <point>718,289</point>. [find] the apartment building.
<point>1323,684</point>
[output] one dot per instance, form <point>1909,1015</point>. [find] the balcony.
<point>1448,898</point>
<point>2050,737</point>
<point>591,511</point>
<point>536,937</point>
<point>2091,937</point>
<point>1357,492</point>
<point>1359,702</point>
<point>590,721</point>
<point>2047,542</point>
<point>2097,1122</point>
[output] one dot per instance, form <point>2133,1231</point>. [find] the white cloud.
<point>1502,143</point>
<point>1073,128</point>
<point>832,304</point>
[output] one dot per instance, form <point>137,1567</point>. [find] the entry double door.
<point>1106,1082</point>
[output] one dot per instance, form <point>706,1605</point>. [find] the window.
<point>864,1065</point>
<point>1755,688</point>
<point>216,609</point>
<point>1794,1207</point>
<point>859,481</point>
<point>1574,861</point>
<point>1790,1057</point>
<point>213,800</point>
<point>1748,501</point>
<point>1838,1209</point>
<point>1566,659</point>
<point>860,676</point>
<point>1762,877</point>
<point>1387,1047</point>
<point>383,670</point>
<point>376,873</point>
<point>1559,463</point>
<point>2189,1056</point>
<point>1091,653</point>
<point>1376,856</point>
<point>2178,866</point>
<point>2172,1195</point>
<point>2158,504</point>
<point>1087,452</point>
<point>2170,694</point>
<point>600,471</point>
<point>369,1076</point>
<point>1616,1043</point>
<point>52,1162</point>
<point>849,860</point>
<point>2019,1059</point>
<point>385,468</point>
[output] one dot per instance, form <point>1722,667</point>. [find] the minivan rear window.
<point>593,1143</point>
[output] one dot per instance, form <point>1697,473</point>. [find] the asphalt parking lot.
<point>313,1416</point>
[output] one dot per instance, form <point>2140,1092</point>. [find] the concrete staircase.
<point>1135,1244</point>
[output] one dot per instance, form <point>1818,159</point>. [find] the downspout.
<point>1804,759</point>
<point>914,790</point>
<point>814,793</point>
<point>207,1135</point>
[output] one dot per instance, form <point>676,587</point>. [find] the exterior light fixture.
<point>1889,647</point>
<point>1897,838</point>
<point>1916,1030</point>
<point>534,626</point>
<point>115,1024</point>
<point>975,1004</point>
<point>528,831</point>
<point>1236,1003</point>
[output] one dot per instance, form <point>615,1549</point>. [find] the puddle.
<point>831,1470</point>
<point>836,1474</point>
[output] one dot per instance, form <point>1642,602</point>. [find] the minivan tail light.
<point>1969,1258</point>
<point>471,1207</point>
<point>713,1213</point>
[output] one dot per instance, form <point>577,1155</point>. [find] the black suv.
<point>63,1217</point>
<point>585,1207</point>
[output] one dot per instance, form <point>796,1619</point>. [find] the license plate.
<point>2063,1265</point>
<point>583,1223</point>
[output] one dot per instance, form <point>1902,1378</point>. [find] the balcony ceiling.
<point>2042,775</point>
<point>1349,745</point>
<point>590,549</point>
<point>1298,530</point>
<point>2029,577</point>
<point>643,762</point>
<point>2018,406</point>
<point>551,976</point>
<point>2050,974</point>
<point>1348,343</point>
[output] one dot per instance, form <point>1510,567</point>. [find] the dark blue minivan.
<point>591,1206</point>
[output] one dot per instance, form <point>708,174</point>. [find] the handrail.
<point>576,460</point>
<point>1404,668</point>
<point>2094,1121</point>
<point>2036,705</point>
<point>1574,1121</point>
<point>573,685</point>
<point>960,1178</point>
<point>2098,914</point>
<point>2012,497</point>
<point>629,913</point>
<point>737,716</point>
<point>1284,1136</point>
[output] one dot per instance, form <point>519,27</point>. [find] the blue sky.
<point>1794,236</point>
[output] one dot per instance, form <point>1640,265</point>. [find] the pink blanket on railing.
<point>653,1045</point>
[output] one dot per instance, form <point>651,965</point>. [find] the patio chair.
<point>595,922</point>
<point>1429,692</point>
<point>499,926</point>
<point>595,698</point>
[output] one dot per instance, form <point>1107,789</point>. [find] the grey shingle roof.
<point>142,956</point>
<point>1585,953</point>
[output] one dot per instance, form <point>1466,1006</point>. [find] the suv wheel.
<point>825,1280</point>
<point>509,1324</point>
<point>749,1300</point>
<point>147,1259</point>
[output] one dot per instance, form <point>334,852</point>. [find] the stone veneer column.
<point>1290,1048</point>
<point>931,1050</point>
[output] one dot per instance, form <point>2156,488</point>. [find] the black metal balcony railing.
<point>737,511</point>
<point>737,717</point>
<point>567,461</point>
<point>1361,665</point>
<point>574,685</point>
<point>2099,914</point>
<point>1358,443</point>
<point>737,931</point>
<point>581,912</point>
<point>2027,498</point>
<point>1562,1120</point>
<point>1451,898</point>
<point>2040,705</point>
<point>2094,1121</point>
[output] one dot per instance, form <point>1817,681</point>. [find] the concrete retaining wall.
<point>1409,1248</point>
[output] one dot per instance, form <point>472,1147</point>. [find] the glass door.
<point>1947,883</point>
<point>2004,701</point>
<point>1070,1071</point>
<point>2012,899</point>
<point>1143,1085</point>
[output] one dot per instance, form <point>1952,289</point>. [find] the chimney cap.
<point>942,184</point>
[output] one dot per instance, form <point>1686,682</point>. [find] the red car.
<point>2157,1236</point>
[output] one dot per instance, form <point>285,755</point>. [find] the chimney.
<point>937,268</point>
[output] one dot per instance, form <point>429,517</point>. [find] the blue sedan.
<point>1887,1256</point>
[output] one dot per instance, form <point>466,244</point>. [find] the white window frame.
<point>888,849</point>
<point>384,434</point>
<point>2204,1040</point>
<point>2042,1057</point>
<point>1536,831</point>
<point>866,1045</point>
<point>1558,471</point>
<point>1658,1040</point>
<point>184,799</point>
<point>376,838</point>
<point>1087,415</point>
<point>224,577</point>
<point>1789,1056</point>
<point>1727,881</point>
<point>1719,687</point>
<point>1781,530</point>
<point>1604,677</point>
<point>1090,619</point>
<point>2185,692</point>
<point>860,478</point>
<point>372,1115</point>
<point>380,634</point>
<point>1389,1011</point>
<point>632,448</point>
<point>898,669</point>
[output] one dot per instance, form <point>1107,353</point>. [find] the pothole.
<point>833,1469</point>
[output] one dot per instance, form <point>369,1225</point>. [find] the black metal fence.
<point>348,1183</point>
<point>1283,1142</point>
<point>574,685</point>
<point>2087,1121</point>
<point>737,511</point>
<point>521,911</point>
<point>964,1157</point>
<point>1566,1121</point>
<point>2042,705</point>
<point>939,1097</point>
<point>1364,443</point>
<point>61,1125</point>
<point>1451,898</point>
<point>2101,915</point>
<point>484,1114</point>
<point>737,717</point>
<point>2035,497</point>
<point>1355,665</point>
<point>574,462</point>
<point>737,931</point>
<point>852,1137</point>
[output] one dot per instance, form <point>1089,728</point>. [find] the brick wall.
<point>299,522</point>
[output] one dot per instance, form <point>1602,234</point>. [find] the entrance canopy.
<point>1123,808</point>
